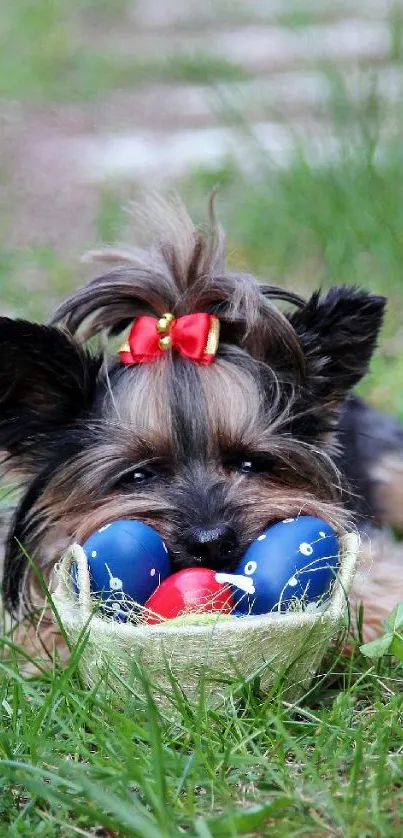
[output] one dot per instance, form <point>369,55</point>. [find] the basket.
<point>291,644</point>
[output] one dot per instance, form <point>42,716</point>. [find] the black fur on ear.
<point>47,381</point>
<point>338,334</point>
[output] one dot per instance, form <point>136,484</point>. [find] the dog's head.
<point>208,455</point>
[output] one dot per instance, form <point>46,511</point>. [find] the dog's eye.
<point>253,465</point>
<point>139,475</point>
<point>134,478</point>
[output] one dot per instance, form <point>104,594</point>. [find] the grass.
<point>297,17</point>
<point>44,57</point>
<point>72,758</point>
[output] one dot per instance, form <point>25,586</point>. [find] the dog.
<point>208,438</point>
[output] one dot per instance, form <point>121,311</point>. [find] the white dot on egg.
<point>115,583</point>
<point>93,554</point>
<point>250,568</point>
<point>306,549</point>
<point>293,581</point>
<point>261,537</point>
<point>152,571</point>
<point>115,606</point>
<point>322,534</point>
<point>288,520</point>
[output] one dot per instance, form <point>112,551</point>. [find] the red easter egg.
<point>194,589</point>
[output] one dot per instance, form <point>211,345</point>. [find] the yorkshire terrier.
<point>228,408</point>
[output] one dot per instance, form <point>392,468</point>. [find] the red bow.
<point>195,336</point>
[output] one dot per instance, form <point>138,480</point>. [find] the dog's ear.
<point>47,381</point>
<point>338,334</point>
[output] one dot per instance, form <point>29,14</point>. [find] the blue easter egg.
<point>127,560</point>
<point>294,559</point>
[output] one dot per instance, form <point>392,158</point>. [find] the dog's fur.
<point>209,456</point>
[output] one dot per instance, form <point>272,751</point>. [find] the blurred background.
<point>292,107</point>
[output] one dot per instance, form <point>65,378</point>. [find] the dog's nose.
<point>212,545</point>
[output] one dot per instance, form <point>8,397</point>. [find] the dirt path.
<point>57,157</point>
